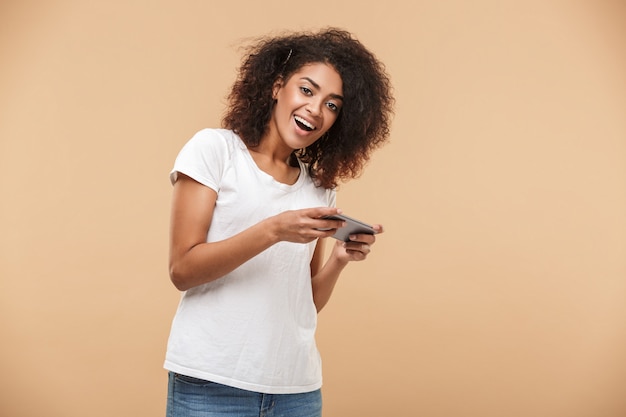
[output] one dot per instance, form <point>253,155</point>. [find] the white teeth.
<point>304,122</point>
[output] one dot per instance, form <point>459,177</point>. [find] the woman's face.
<point>307,104</point>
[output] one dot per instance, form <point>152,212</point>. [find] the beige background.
<point>498,290</point>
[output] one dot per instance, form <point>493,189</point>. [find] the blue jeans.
<point>191,397</point>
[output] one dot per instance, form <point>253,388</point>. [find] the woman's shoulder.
<point>206,155</point>
<point>215,141</point>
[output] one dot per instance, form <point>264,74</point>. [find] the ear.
<point>278,84</point>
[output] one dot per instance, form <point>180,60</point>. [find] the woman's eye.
<point>306,90</point>
<point>333,107</point>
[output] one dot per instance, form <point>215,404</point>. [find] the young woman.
<point>247,225</point>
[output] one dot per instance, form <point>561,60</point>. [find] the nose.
<point>314,107</point>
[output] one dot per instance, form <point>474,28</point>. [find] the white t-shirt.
<point>253,328</point>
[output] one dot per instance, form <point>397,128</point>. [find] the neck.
<point>273,148</point>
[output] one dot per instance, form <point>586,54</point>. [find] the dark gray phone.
<point>353,226</point>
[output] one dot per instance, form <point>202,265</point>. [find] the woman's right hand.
<point>305,225</point>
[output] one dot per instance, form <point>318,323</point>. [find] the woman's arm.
<point>325,277</point>
<point>193,261</point>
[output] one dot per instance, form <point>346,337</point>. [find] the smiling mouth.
<point>303,124</point>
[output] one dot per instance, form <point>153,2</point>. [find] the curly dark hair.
<point>362,124</point>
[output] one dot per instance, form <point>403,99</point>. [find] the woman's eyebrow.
<point>317,87</point>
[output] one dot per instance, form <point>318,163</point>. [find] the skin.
<point>311,95</point>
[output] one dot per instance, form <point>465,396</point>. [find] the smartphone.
<point>353,226</point>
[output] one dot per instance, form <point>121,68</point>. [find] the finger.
<point>319,212</point>
<point>363,248</point>
<point>324,233</point>
<point>356,255</point>
<point>329,224</point>
<point>364,238</point>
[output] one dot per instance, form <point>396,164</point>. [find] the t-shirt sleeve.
<point>202,158</point>
<point>332,198</point>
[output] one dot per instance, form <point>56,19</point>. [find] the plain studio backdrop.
<point>498,289</point>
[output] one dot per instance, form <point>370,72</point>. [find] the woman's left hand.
<point>324,278</point>
<point>359,246</point>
